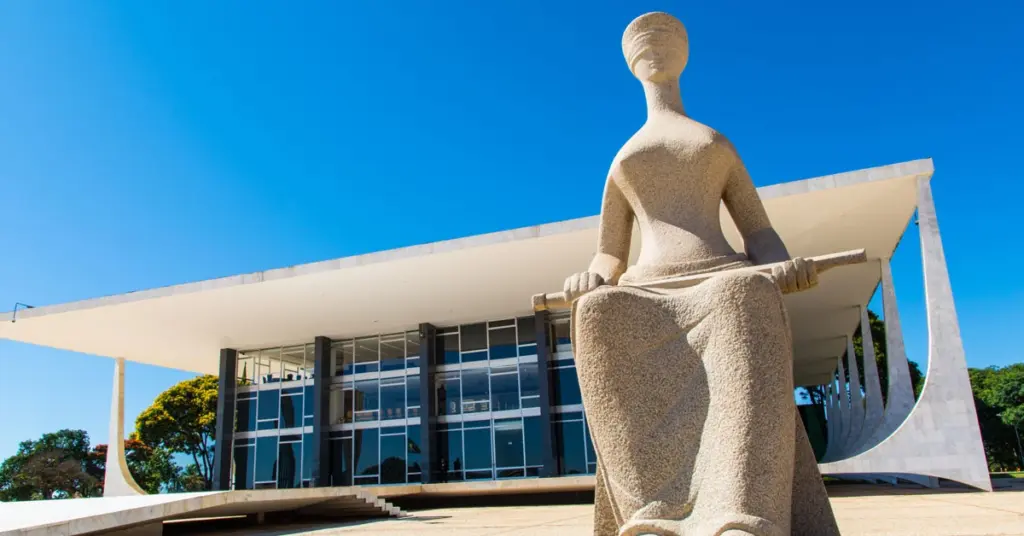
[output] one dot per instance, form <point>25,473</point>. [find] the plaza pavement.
<point>860,510</point>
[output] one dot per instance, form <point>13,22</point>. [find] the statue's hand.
<point>579,284</point>
<point>795,275</point>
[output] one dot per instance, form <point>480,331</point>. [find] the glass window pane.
<point>342,355</point>
<point>291,411</point>
<point>472,357</point>
<point>478,448</point>
<point>567,387</point>
<point>532,429</point>
<point>450,445</point>
<point>268,401</point>
<point>266,459</point>
<point>348,399</point>
<point>412,390</point>
<point>449,393</point>
<point>569,440</point>
<point>367,354</point>
<point>307,456</point>
<point>293,362</point>
<point>245,370</point>
<point>245,415</point>
<point>392,352</point>
<point>526,326</point>
<point>414,453</point>
<point>504,388</point>
<point>474,337</point>
<point>341,459</point>
<point>243,466</point>
<point>308,403</point>
<point>508,443</point>
<point>475,394</point>
<point>561,332</point>
<point>366,395</point>
<point>528,379</point>
<point>502,343</point>
<point>392,401</point>
<point>591,455</point>
<point>270,365</point>
<point>366,452</point>
<point>289,469</point>
<point>412,344</point>
<point>448,348</point>
<point>392,456</point>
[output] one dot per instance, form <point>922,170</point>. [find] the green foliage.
<point>152,468</point>
<point>879,343</point>
<point>999,400</point>
<point>183,419</point>
<point>56,466</point>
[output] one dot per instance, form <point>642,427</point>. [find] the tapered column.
<point>873,407</point>
<point>429,455</point>
<point>831,420</point>
<point>227,382</point>
<point>322,373</point>
<point>117,479</point>
<point>856,400</point>
<point>544,344</point>
<point>900,393</point>
<point>843,412</point>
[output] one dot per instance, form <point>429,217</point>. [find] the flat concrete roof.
<point>488,276</point>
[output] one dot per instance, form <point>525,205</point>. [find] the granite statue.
<point>689,391</point>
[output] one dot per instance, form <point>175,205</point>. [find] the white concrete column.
<point>873,406</point>
<point>900,393</point>
<point>830,419</point>
<point>843,412</point>
<point>856,400</point>
<point>117,479</point>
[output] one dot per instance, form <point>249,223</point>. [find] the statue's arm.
<point>613,234</point>
<point>760,241</point>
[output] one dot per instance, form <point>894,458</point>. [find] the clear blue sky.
<point>151,143</point>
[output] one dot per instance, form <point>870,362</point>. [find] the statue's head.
<point>656,47</point>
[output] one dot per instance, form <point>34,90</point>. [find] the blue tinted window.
<point>448,348</point>
<point>414,455</point>
<point>289,462</point>
<point>392,459</point>
<point>366,452</point>
<point>528,379</point>
<point>392,353</point>
<point>569,439</point>
<point>413,390</point>
<point>502,343</point>
<point>307,456</point>
<point>341,459</point>
<point>567,387</point>
<point>266,459</point>
<point>504,388</point>
<point>474,337</point>
<point>268,401</point>
<point>309,403</point>
<point>392,401</point>
<point>532,430</point>
<point>478,448</point>
<point>475,393</point>
<point>526,327</point>
<point>243,466</point>
<point>508,443</point>
<point>291,411</point>
<point>449,393</point>
<point>450,445</point>
<point>246,416</point>
<point>366,395</point>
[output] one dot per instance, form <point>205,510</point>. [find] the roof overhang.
<point>480,277</point>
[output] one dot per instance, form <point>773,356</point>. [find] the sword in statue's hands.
<point>792,275</point>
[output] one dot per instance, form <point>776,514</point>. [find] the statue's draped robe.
<point>689,399</point>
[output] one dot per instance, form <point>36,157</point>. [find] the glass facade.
<point>486,394</point>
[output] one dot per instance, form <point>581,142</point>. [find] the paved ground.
<point>860,510</point>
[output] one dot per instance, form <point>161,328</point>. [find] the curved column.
<point>940,438</point>
<point>117,480</point>
<point>900,394</point>
<point>831,420</point>
<point>856,401</point>
<point>843,412</point>
<point>873,406</point>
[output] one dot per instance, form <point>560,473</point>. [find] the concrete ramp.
<point>144,515</point>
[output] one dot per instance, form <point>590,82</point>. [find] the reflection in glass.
<point>245,420</point>
<point>309,404</point>
<point>412,391</point>
<point>289,458</point>
<point>450,445</point>
<point>341,459</point>
<point>246,370</point>
<point>478,448</point>
<point>528,379</point>
<point>366,452</point>
<point>504,388</point>
<point>532,429</point>
<point>268,400</point>
<point>526,327</point>
<point>342,355</point>
<point>502,343</point>
<point>392,400</point>
<point>366,395</point>
<point>266,459</point>
<point>392,456</point>
<point>569,438</point>
<point>448,348</point>
<point>291,411</point>
<point>508,443</point>
<point>414,454</point>
<point>307,456</point>
<point>475,392</point>
<point>412,345</point>
<point>449,393</point>
<point>367,354</point>
<point>474,336</point>
<point>567,386</point>
<point>243,466</point>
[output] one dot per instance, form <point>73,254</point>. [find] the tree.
<point>881,357</point>
<point>183,420</point>
<point>56,466</point>
<point>999,400</point>
<point>152,468</point>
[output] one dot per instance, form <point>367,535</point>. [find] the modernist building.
<point>427,364</point>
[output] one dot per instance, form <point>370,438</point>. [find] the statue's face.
<point>659,60</point>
